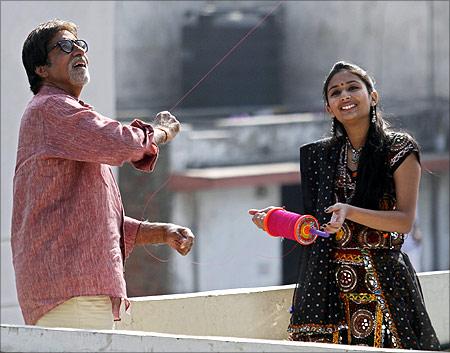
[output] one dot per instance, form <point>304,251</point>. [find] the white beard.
<point>79,76</point>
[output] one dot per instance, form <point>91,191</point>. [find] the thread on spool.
<point>281,223</point>
<point>301,228</point>
<point>267,217</point>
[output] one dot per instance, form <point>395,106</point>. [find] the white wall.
<point>425,219</point>
<point>229,251</point>
<point>96,25</point>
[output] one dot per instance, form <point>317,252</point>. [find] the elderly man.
<point>70,236</point>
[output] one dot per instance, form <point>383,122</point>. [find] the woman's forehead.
<point>344,77</point>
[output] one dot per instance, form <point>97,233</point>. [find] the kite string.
<point>227,54</point>
<point>239,43</point>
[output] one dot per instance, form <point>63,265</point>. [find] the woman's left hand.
<point>340,212</point>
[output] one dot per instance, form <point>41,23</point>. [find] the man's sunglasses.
<point>67,45</point>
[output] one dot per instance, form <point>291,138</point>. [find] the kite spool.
<point>301,228</point>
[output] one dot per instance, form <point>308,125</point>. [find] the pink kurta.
<point>69,234</point>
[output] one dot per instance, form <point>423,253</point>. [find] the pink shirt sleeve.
<point>77,132</point>
<point>131,228</point>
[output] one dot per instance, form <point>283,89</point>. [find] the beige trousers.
<point>86,312</point>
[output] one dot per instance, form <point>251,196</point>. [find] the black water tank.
<point>248,76</point>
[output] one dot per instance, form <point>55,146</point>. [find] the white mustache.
<point>77,60</point>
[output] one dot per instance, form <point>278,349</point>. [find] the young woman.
<point>358,287</point>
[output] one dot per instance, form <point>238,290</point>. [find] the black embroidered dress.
<point>356,287</point>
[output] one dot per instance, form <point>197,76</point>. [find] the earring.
<point>332,128</point>
<point>374,114</point>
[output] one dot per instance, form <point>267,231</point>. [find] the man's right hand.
<point>166,122</point>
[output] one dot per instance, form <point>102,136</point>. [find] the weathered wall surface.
<point>405,45</point>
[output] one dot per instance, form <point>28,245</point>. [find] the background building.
<point>232,155</point>
<point>403,44</point>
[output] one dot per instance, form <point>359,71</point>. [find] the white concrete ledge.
<point>244,320</point>
<point>37,339</point>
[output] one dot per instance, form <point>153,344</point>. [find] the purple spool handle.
<point>314,231</point>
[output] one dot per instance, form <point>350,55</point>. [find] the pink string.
<point>281,223</point>
<point>227,54</point>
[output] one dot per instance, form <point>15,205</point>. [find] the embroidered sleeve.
<point>402,145</point>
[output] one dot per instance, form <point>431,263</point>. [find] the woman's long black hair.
<point>372,166</point>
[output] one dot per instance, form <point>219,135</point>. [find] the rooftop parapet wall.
<point>261,313</point>
<point>244,320</point>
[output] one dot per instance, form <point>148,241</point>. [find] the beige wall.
<point>18,18</point>
<point>254,312</point>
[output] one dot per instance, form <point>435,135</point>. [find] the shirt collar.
<point>48,90</point>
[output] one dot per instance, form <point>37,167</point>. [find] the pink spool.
<point>281,223</point>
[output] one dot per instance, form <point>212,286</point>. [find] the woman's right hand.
<point>259,215</point>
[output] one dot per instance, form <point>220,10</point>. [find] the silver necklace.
<point>347,179</point>
<point>356,152</point>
